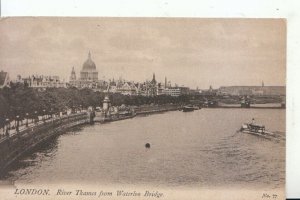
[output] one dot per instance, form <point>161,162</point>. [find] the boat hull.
<point>265,134</point>
<point>188,109</point>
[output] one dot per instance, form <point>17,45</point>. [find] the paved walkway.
<point>31,124</point>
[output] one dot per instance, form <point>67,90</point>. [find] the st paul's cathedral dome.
<point>89,71</point>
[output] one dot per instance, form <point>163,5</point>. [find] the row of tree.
<point>19,100</point>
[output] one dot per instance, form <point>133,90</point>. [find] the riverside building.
<point>43,82</point>
<point>176,91</point>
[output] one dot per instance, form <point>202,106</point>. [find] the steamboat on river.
<point>256,129</point>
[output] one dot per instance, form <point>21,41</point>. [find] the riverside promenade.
<point>16,143</point>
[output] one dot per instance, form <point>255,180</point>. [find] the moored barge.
<point>188,108</point>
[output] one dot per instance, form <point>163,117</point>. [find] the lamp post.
<point>7,125</point>
<point>44,118</point>
<point>36,117</point>
<point>17,123</point>
<point>27,119</point>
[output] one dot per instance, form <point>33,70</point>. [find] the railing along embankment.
<point>15,144</point>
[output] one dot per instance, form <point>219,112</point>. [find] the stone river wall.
<point>15,145</point>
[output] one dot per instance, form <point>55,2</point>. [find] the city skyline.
<point>204,52</point>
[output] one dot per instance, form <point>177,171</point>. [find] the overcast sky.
<point>190,52</point>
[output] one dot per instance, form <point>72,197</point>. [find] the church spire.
<point>153,79</point>
<point>90,57</point>
<point>166,82</point>
<point>73,75</point>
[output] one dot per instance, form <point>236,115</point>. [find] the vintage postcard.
<point>142,108</point>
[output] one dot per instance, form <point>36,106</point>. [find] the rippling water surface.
<point>200,148</point>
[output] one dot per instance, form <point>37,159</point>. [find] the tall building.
<point>153,86</point>
<point>89,71</point>
<point>176,91</point>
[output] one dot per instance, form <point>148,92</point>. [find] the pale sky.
<point>189,51</point>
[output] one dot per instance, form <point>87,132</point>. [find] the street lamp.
<point>36,117</point>
<point>26,119</point>
<point>17,123</point>
<point>7,125</point>
<point>51,112</point>
<point>44,118</point>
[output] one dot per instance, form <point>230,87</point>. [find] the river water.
<point>200,149</point>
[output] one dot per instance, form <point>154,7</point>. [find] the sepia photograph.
<point>142,108</point>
